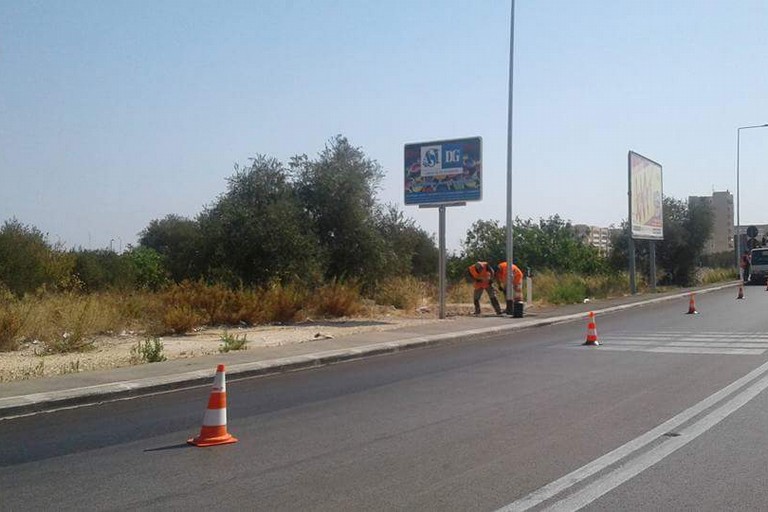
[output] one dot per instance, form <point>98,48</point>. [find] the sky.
<point>116,113</point>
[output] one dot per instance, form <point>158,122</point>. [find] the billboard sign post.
<point>439,174</point>
<point>646,216</point>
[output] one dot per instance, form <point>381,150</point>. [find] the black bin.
<point>517,310</point>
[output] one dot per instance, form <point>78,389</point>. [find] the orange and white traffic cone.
<point>214,429</point>
<point>591,331</point>
<point>741,292</point>
<point>692,306</point>
<point>766,285</point>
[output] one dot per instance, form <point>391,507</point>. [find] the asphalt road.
<point>647,421</point>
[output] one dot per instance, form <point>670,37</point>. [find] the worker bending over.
<point>482,274</point>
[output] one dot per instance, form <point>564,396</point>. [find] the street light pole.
<point>739,249</point>
<point>508,284</point>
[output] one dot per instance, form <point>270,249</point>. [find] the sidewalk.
<point>29,396</point>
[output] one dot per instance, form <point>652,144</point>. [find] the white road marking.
<point>687,343</point>
<point>633,467</point>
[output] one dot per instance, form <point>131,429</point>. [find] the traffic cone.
<point>741,292</point>
<point>692,306</point>
<point>214,429</point>
<point>591,331</point>
<point>766,285</point>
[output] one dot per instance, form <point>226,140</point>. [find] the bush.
<point>230,342</point>
<point>150,351</point>
<point>10,327</point>
<point>337,299</point>
<point>283,304</point>
<point>717,275</point>
<point>400,292</point>
<point>180,320</point>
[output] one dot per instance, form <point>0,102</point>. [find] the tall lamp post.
<point>739,249</point>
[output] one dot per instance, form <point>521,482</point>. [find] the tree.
<point>179,241</point>
<point>337,191</point>
<point>549,244</point>
<point>409,249</point>
<point>257,231</point>
<point>28,262</point>
<point>686,230</point>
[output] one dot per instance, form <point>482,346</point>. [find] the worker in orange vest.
<point>482,274</point>
<point>517,285</point>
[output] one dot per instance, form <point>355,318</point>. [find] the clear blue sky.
<point>116,113</point>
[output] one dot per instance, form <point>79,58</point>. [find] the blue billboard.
<point>447,171</point>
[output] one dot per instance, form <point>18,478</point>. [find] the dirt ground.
<point>32,361</point>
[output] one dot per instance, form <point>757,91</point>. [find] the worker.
<point>744,265</point>
<point>517,285</point>
<point>482,274</point>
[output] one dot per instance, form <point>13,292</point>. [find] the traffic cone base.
<point>214,429</point>
<point>741,292</point>
<point>592,332</point>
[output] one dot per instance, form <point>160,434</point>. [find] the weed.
<point>148,351</point>
<point>337,299</point>
<point>10,327</point>
<point>283,304</point>
<point>230,342</point>
<point>401,292</point>
<point>180,319</point>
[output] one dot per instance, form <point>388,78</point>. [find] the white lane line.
<point>712,344</point>
<point>636,466</point>
<point>561,484</point>
<point>686,350</point>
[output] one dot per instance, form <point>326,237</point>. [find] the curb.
<point>22,405</point>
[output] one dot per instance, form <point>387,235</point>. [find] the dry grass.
<point>337,300</point>
<point>404,293</point>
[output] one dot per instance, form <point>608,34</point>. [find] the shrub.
<point>230,342</point>
<point>400,292</point>
<point>717,275</point>
<point>149,351</point>
<point>337,299</point>
<point>10,327</point>
<point>180,319</point>
<point>283,304</point>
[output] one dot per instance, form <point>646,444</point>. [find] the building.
<point>721,204</point>
<point>596,236</point>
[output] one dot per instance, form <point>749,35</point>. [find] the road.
<point>669,413</point>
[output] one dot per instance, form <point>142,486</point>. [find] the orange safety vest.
<point>483,278</point>
<point>517,279</point>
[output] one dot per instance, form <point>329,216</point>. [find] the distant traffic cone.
<point>741,292</point>
<point>766,285</point>
<point>214,429</point>
<point>692,306</point>
<point>591,331</point>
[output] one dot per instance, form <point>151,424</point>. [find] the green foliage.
<point>686,230</point>
<point>102,270</point>
<point>148,269</point>
<point>148,351</point>
<point>28,262</point>
<point>549,244</point>
<point>717,275</point>
<point>179,241</point>
<point>408,249</point>
<point>230,342</point>
<point>337,192</point>
<point>258,232</point>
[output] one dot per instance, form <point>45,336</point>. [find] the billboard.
<point>645,198</point>
<point>443,172</point>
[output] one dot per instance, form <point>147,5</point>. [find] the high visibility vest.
<point>483,278</point>
<point>517,279</point>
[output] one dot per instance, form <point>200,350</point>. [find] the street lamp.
<point>739,249</point>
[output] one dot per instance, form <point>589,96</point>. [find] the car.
<point>758,270</point>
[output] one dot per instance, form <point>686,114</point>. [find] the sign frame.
<point>646,197</point>
<point>454,175</point>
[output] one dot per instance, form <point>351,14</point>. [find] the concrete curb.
<point>88,395</point>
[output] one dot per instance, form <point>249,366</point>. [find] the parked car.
<point>758,269</point>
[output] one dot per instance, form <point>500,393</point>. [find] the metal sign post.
<point>440,174</point>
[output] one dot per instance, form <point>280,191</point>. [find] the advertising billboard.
<point>645,198</point>
<point>444,172</point>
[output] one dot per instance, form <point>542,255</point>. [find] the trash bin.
<point>517,310</point>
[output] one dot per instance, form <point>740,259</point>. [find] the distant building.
<point>723,231</point>
<point>596,236</point>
